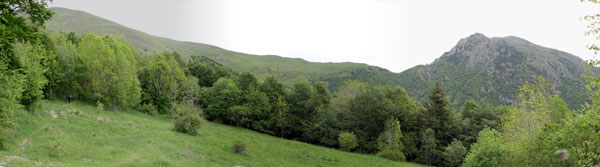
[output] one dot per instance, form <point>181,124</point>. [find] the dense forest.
<point>538,129</point>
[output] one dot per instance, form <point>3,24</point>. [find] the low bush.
<point>392,154</point>
<point>238,147</point>
<point>187,119</point>
<point>347,141</point>
<point>148,109</point>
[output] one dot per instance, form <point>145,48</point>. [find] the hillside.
<point>478,67</point>
<point>288,70</point>
<point>492,69</point>
<point>82,135</point>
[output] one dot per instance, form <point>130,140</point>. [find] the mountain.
<point>493,69</point>
<point>288,70</point>
<point>478,67</point>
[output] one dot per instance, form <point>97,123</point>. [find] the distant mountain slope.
<point>289,70</point>
<point>493,69</point>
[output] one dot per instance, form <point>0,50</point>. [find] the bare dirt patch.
<point>24,143</point>
<point>128,123</point>
<point>53,113</point>
<point>72,112</point>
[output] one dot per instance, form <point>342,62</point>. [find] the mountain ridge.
<point>497,67</point>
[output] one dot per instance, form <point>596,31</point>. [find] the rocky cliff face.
<point>492,69</point>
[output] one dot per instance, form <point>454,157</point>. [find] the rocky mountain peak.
<point>475,38</point>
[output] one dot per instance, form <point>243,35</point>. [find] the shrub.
<point>100,106</point>
<point>392,154</point>
<point>187,119</point>
<point>347,141</point>
<point>148,109</point>
<point>238,147</point>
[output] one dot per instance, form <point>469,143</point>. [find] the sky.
<point>393,34</point>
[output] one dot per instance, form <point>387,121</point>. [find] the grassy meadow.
<point>79,134</point>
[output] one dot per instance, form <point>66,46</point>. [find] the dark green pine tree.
<point>439,117</point>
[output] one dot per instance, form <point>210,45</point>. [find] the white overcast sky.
<point>394,34</point>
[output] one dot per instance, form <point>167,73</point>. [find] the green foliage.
<point>110,71</point>
<point>206,70</point>
<point>454,153</point>
<point>391,137</point>
<point>99,106</point>
<point>477,115</point>
<point>21,75</point>
<point>395,155</point>
<point>305,101</point>
<point>534,129</point>
<point>428,152</point>
<point>187,119</point>
<point>162,82</point>
<point>280,115</point>
<point>347,141</point>
<point>364,108</point>
<point>11,87</point>
<point>526,119</point>
<point>20,21</point>
<point>70,76</point>
<point>488,151</point>
<point>390,141</point>
<point>147,108</point>
<point>31,58</point>
<point>439,116</point>
<point>276,94</point>
<point>219,98</point>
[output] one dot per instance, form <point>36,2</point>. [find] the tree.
<point>206,70</point>
<point>488,151</point>
<point>390,141</point>
<point>162,82</point>
<point>246,81</point>
<point>11,87</point>
<point>526,119</point>
<point>439,117</point>
<point>15,27</point>
<point>477,115</point>
<point>110,71</point>
<point>364,108</point>
<point>347,141</point>
<point>281,112</point>
<point>31,56</point>
<point>219,98</point>
<point>303,106</point>
<point>69,78</point>
<point>453,154</point>
<point>428,152</point>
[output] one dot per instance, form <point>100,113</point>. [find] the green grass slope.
<point>81,135</point>
<point>288,70</point>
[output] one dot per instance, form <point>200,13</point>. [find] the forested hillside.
<point>493,67</point>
